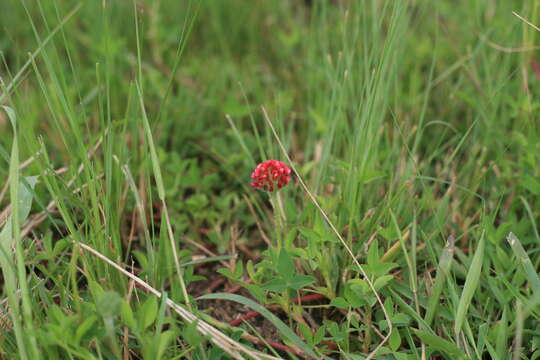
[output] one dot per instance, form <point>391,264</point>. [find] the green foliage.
<point>412,122</point>
<point>286,276</point>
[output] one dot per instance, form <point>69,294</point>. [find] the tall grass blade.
<point>471,283</point>
<point>161,193</point>
<point>21,200</point>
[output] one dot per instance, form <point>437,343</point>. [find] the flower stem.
<point>278,219</point>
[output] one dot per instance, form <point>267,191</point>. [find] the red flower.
<point>270,173</point>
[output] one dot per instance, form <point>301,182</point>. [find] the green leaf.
<point>395,340</point>
<point>381,268</point>
<point>276,285</point>
<point>165,338</point>
<point>85,326</point>
<point>306,333</point>
<point>299,253</point>
<point>471,283</point>
<point>440,344</point>
<point>300,281</point>
<point>289,241</point>
<point>531,184</point>
<point>373,254</point>
<point>191,334</point>
<point>359,286</point>
<point>148,312</point>
<point>256,291</point>
<point>24,204</point>
<point>310,234</point>
<point>353,295</point>
<point>285,266</point>
<point>319,334</point>
<point>127,315</point>
<point>251,269</point>
<point>336,332</point>
<point>340,303</point>
<point>227,273</point>
<point>283,329</point>
<point>239,269</point>
<point>382,281</point>
<point>26,194</point>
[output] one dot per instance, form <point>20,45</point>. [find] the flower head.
<point>271,175</point>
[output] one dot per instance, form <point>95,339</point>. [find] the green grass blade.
<point>280,325</point>
<point>153,153</point>
<point>521,254</point>
<point>13,83</point>
<point>142,215</point>
<point>161,193</point>
<point>471,283</point>
<point>443,270</point>
<point>21,200</point>
<point>501,345</point>
<point>518,333</point>
<point>440,344</point>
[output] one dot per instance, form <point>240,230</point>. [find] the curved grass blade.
<point>440,344</point>
<point>280,325</point>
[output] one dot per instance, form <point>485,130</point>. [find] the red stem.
<point>308,298</point>
<point>241,319</point>
<point>286,348</point>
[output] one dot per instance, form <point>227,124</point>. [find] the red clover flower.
<point>270,173</point>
